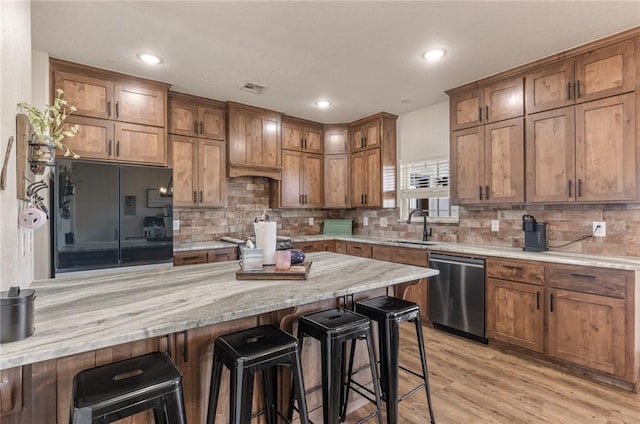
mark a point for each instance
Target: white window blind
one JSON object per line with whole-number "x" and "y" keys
{"x": 424, "y": 179}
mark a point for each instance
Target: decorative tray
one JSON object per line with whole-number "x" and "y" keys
{"x": 268, "y": 272}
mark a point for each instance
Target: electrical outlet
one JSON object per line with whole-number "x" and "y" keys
{"x": 365, "y": 221}
{"x": 176, "y": 225}
{"x": 600, "y": 232}
{"x": 311, "y": 221}
{"x": 495, "y": 225}
{"x": 383, "y": 222}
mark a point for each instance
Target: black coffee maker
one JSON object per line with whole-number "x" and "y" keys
{"x": 535, "y": 234}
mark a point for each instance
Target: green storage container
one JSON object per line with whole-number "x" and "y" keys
{"x": 338, "y": 227}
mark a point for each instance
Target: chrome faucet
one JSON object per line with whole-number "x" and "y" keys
{"x": 425, "y": 234}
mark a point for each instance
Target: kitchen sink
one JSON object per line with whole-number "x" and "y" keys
{"x": 422, "y": 243}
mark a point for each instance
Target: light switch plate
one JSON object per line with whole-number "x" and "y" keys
{"x": 495, "y": 225}
{"x": 365, "y": 221}
{"x": 176, "y": 225}
{"x": 383, "y": 222}
{"x": 600, "y": 232}
{"x": 311, "y": 221}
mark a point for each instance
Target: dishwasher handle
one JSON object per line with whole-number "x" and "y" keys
{"x": 456, "y": 260}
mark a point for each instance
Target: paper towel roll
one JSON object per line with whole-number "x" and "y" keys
{"x": 266, "y": 240}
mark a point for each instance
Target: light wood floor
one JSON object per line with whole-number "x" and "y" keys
{"x": 473, "y": 383}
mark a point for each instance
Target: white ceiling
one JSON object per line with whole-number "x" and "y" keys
{"x": 362, "y": 55}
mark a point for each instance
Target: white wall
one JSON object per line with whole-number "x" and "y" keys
{"x": 16, "y": 268}
{"x": 424, "y": 133}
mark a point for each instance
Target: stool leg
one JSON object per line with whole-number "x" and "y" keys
{"x": 298, "y": 383}
{"x": 270, "y": 391}
{"x": 423, "y": 359}
{"x": 214, "y": 390}
{"x": 241, "y": 396}
{"x": 331, "y": 369}
{"x": 293, "y": 381}
{"x": 174, "y": 409}
{"x": 392, "y": 363}
{"x": 374, "y": 373}
{"x": 345, "y": 398}
{"x": 159, "y": 415}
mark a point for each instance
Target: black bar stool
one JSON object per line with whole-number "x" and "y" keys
{"x": 333, "y": 328}
{"x": 110, "y": 392}
{"x": 245, "y": 352}
{"x": 389, "y": 313}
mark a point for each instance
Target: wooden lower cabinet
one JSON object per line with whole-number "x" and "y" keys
{"x": 11, "y": 388}
{"x": 310, "y": 246}
{"x": 515, "y": 313}
{"x": 204, "y": 256}
{"x": 587, "y": 329}
{"x": 359, "y": 249}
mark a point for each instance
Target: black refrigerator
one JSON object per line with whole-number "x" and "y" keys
{"x": 109, "y": 215}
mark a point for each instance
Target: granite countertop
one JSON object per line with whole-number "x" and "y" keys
{"x": 569, "y": 258}
{"x": 81, "y": 314}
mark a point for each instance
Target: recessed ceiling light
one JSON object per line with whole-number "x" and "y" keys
{"x": 150, "y": 58}
{"x": 323, "y": 104}
{"x": 432, "y": 55}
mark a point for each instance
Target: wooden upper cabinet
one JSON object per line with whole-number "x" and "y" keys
{"x": 357, "y": 140}
{"x": 140, "y": 103}
{"x": 550, "y": 87}
{"x": 93, "y": 97}
{"x": 185, "y": 169}
{"x": 358, "y": 175}
{"x": 254, "y": 141}
{"x": 605, "y": 72}
{"x": 302, "y": 183}
{"x": 94, "y": 140}
{"x": 504, "y": 100}
{"x": 138, "y": 143}
{"x": 504, "y": 161}
{"x": 600, "y": 73}
{"x": 313, "y": 180}
{"x": 467, "y": 166}
{"x": 212, "y": 178}
{"x": 196, "y": 117}
{"x": 366, "y": 176}
{"x": 304, "y": 136}
{"x": 606, "y": 149}
{"x": 336, "y": 139}
{"x": 466, "y": 108}
{"x": 366, "y": 134}
{"x": 336, "y": 181}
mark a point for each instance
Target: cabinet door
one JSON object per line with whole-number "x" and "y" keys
{"x": 313, "y": 140}
{"x": 550, "y": 153}
{"x": 184, "y": 171}
{"x": 373, "y": 178}
{"x": 212, "y": 179}
{"x": 92, "y": 97}
{"x": 504, "y": 160}
{"x": 222, "y": 255}
{"x": 10, "y": 392}
{"x": 504, "y": 100}
{"x": 190, "y": 258}
{"x": 371, "y": 132}
{"x": 359, "y": 249}
{"x": 262, "y": 140}
{"x": 291, "y": 183}
{"x": 550, "y": 87}
{"x": 183, "y": 118}
{"x": 336, "y": 140}
{"x": 358, "y": 169}
{"x": 211, "y": 123}
{"x": 515, "y": 313}
{"x": 357, "y": 139}
{"x": 336, "y": 181}
{"x": 312, "y": 180}
{"x": 588, "y": 330}
{"x": 291, "y": 136}
{"x": 466, "y": 108}
{"x": 140, "y": 104}
{"x": 467, "y": 166}
{"x": 606, "y": 72}
{"x": 93, "y": 141}
{"x": 138, "y": 143}
{"x": 606, "y": 149}
{"x": 310, "y": 246}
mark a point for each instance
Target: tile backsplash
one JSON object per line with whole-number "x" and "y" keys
{"x": 249, "y": 197}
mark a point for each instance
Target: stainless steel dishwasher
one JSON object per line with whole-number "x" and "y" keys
{"x": 456, "y": 296}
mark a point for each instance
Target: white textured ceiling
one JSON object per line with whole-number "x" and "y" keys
{"x": 363, "y": 56}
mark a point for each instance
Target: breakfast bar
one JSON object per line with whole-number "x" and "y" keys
{"x": 82, "y": 322}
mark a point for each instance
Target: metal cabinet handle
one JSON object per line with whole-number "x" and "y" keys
{"x": 365, "y": 199}
{"x": 583, "y": 276}
{"x": 551, "y": 302}
{"x": 365, "y": 142}
{"x": 195, "y": 127}
{"x": 346, "y": 200}
{"x": 479, "y": 113}
{"x": 512, "y": 267}
{"x": 480, "y": 192}
{"x": 362, "y": 199}
{"x": 569, "y": 187}
{"x": 486, "y": 192}
{"x": 569, "y": 90}
{"x": 118, "y": 148}
{"x": 109, "y": 148}
{"x": 579, "y": 187}
{"x": 537, "y": 300}
{"x": 201, "y": 196}
{"x": 109, "y": 108}
{"x": 486, "y": 113}
{"x": 195, "y": 197}
{"x": 201, "y": 127}
{"x": 185, "y": 347}
{"x": 577, "y": 89}
{"x": 117, "y": 110}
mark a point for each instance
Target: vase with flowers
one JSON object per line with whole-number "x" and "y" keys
{"x": 49, "y": 130}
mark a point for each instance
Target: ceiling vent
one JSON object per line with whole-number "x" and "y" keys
{"x": 252, "y": 87}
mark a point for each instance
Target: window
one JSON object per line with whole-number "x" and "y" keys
{"x": 425, "y": 185}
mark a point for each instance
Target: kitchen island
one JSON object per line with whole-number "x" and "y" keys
{"x": 85, "y": 321}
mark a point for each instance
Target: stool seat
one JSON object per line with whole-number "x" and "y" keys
{"x": 124, "y": 388}
{"x": 387, "y": 307}
{"x": 333, "y": 323}
{"x": 256, "y": 344}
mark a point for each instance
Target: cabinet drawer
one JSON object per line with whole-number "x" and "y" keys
{"x": 222, "y": 255}
{"x": 523, "y": 272}
{"x": 310, "y": 246}
{"x": 190, "y": 258}
{"x": 603, "y": 281}
{"x": 359, "y": 249}
{"x": 401, "y": 255}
